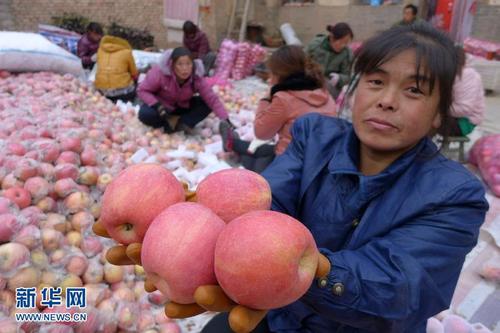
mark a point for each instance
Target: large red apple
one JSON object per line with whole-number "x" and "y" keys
{"x": 233, "y": 192}
{"x": 135, "y": 197}
{"x": 178, "y": 250}
{"x": 265, "y": 260}
{"x": 19, "y": 196}
{"x": 38, "y": 187}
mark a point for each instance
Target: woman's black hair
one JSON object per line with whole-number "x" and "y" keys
{"x": 436, "y": 60}
{"x": 95, "y": 27}
{"x": 340, "y": 30}
{"x": 179, "y": 52}
{"x": 189, "y": 27}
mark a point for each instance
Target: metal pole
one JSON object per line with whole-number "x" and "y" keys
{"x": 243, "y": 28}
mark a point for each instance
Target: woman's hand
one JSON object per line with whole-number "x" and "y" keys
{"x": 241, "y": 318}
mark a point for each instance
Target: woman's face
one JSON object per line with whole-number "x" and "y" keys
{"x": 183, "y": 67}
{"x": 390, "y": 114}
{"x": 339, "y": 44}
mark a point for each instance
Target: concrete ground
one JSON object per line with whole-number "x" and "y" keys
{"x": 491, "y": 123}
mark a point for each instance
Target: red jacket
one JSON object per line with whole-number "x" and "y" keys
{"x": 278, "y": 116}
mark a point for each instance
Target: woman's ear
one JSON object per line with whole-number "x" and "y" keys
{"x": 436, "y": 122}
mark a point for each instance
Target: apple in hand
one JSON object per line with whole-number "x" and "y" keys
{"x": 135, "y": 197}
{"x": 233, "y": 192}
{"x": 265, "y": 260}
{"x": 178, "y": 250}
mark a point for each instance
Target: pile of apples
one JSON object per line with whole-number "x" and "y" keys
{"x": 223, "y": 234}
{"x": 62, "y": 144}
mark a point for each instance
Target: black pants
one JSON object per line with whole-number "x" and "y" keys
{"x": 219, "y": 324}
{"x": 197, "y": 111}
{"x": 125, "y": 98}
{"x": 259, "y": 160}
{"x": 209, "y": 61}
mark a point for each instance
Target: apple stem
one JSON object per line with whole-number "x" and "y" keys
{"x": 128, "y": 226}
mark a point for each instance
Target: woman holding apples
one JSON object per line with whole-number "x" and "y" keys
{"x": 392, "y": 218}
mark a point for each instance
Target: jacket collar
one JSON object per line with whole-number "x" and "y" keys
{"x": 345, "y": 161}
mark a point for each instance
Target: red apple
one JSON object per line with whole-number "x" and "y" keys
{"x": 91, "y": 246}
{"x": 26, "y": 168}
{"x": 221, "y": 190}
{"x": 77, "y": 265}
{"x": 19, "y": 196}
{"x": 67, "y": 170}
{"x": 49, "y": 150}
{"x": 6, "y": 205}
{"x": 38, "y": 187}
{"x": 47, "y": 171}
{"x": 135, "y": 197}
{"x": 89, "y": 156}
{"x": 265, "y": 260}
{"x": 65, "y": 186}
{"x": 16, "y": 149}
{"x": 9, "y": 225}
{"x": 187, "y": 232}
{"x": 73, "y": 144}
{"x": 29, "y": 236}
{"x": 13, "y": 255}
{"x": 68, "y": 157}
{"x": 10, "y": 181}
{"x": 33, "y": 215}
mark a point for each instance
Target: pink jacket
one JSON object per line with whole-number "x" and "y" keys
{"x": 468, "y": 96}
{"x": 278, "y": 116}
{"x": 160, "y": 85}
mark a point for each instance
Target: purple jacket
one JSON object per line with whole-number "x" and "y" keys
{"x": 86, "y": 49}
{"x": 160, "y": 85}
{"x": 198, "y": 44}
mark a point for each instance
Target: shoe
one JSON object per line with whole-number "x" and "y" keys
{"x": 228, "y": 136}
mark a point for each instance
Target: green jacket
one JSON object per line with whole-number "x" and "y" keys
{"x": 319, "y": 49}
{"x": 415, "y": 21}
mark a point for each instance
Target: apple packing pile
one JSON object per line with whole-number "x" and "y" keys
{"x": 62, "y": 144}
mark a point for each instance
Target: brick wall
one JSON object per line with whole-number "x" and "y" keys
{"x": 364, "y": 20}
{"x": 486, "y": 23}
{"x": 27, "y": 14}
{"x": 6, "y": 21}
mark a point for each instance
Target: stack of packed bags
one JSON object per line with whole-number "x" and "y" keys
{"x": 482, "y": 48}
{"x": 237, "y": 60}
